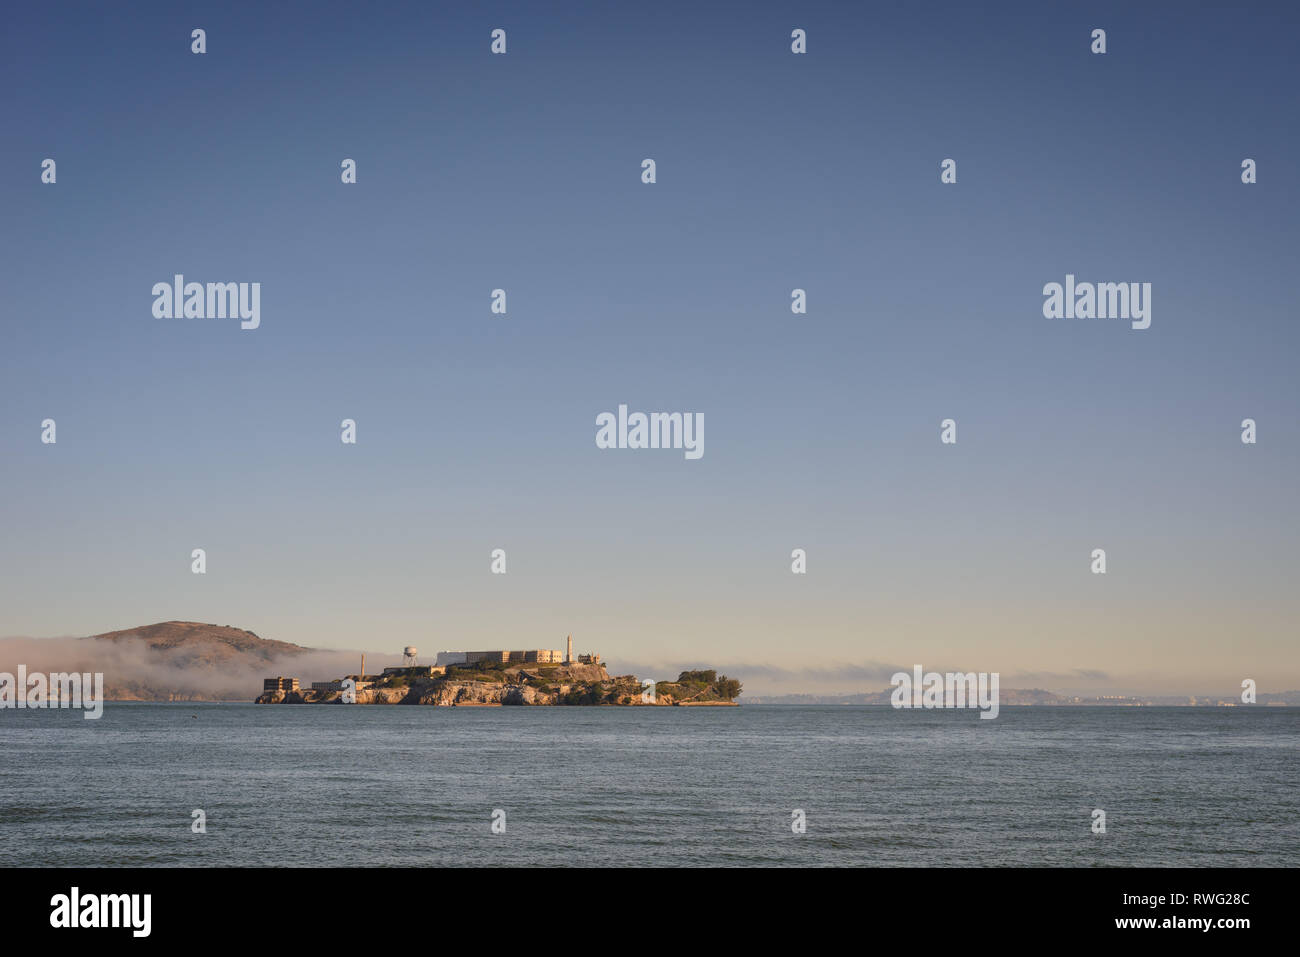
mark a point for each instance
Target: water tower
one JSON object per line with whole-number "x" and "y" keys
{"x": 408, "y": 655}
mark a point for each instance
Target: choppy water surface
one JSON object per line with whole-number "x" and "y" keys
{"x": 337, "y": 785}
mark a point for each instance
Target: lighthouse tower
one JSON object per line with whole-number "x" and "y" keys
{"x": 568, "y": 655}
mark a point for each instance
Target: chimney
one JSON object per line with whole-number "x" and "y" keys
{"x": 362, "y": 676}
{"x": 568, "y": 657}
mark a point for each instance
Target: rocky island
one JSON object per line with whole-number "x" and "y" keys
{"x": 488, "y": 682}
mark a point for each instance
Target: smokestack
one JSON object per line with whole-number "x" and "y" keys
{"x": 363, "y": 667}
{"x": 568, "y": 656}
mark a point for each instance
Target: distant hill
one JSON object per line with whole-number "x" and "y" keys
{"x": 203, "y": 644}
{"x": 182, "y": 661}
{"x": 190, "y": 661}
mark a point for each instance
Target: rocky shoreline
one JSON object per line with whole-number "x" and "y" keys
{"x": 523, "y": 685}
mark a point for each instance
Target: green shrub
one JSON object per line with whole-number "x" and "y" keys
{"x": 697, "y": 677}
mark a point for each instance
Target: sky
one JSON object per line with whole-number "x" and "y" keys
{"x": 774, "y": 171}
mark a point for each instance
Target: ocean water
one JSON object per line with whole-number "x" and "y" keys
{"x": 337, "y": 785}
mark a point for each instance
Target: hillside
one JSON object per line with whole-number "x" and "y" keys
{"x": 203, "y": 644}
{"x": 184, "y": 661}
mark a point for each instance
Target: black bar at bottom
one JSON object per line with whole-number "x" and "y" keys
{"x": 725, "y": 907}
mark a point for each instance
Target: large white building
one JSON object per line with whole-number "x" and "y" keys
{"x": 529, "y": 656}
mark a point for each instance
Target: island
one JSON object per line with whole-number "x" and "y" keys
{"x": 494, "y": 678}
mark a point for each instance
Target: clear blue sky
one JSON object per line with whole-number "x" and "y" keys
{"x": 775, "y": 171}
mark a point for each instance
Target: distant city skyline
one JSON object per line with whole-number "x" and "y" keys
{"x": 477, "y": 431}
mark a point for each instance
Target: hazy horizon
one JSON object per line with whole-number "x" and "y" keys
{"x": 761, "y": 679}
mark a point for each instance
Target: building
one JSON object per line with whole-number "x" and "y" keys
{"x": 543, "y": 656}
{"x": 588, "y": 659}
{"x": 280, "y": 684}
